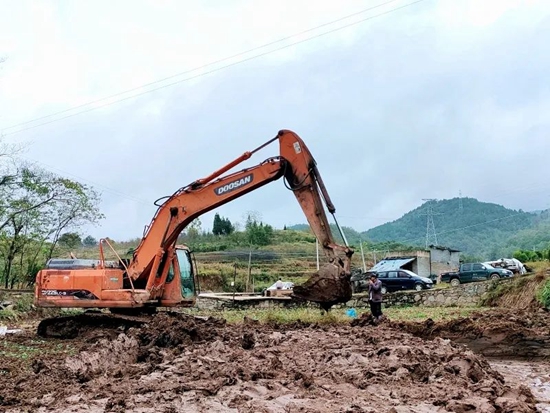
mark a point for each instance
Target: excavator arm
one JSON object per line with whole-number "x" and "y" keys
{"x": 148, "y": 278}
{"x": 148, "y": 268}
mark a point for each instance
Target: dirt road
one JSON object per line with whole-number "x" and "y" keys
{"x": 182, "y": 364}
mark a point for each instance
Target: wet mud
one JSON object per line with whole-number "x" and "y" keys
{"x": 522, "y": 334}
{"x": 536, "y": 375}
{"x": 177, "y": 363}
{"x": 327, "y": 287}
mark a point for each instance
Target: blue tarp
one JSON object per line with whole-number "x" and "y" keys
{"x": 391, "y": 264}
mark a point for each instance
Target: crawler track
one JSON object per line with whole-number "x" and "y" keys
{"x": 70, "y": 327}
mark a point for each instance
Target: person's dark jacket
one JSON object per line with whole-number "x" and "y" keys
{"x": 375, "y": 291}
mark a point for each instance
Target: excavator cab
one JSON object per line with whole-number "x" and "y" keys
{"x": 180, "y": 287}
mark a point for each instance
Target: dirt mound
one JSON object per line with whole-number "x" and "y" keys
{"x": 178, "y": 363}
{"x": 326, "y": 287}
{"x": 520, "y": 294}
{"x": 497, "y": 333}
{"x": 100, "y": 360}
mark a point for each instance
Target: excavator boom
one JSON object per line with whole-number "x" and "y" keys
{"x": 148, "y": 278}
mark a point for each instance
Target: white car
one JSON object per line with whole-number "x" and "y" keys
{"x": 287, "y": 285}
{"x": 510, "y": 264}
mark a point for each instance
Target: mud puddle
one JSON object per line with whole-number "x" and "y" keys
{"x": 534, "y": 374}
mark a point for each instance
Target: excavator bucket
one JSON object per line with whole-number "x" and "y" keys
{"x": 327, "y": 287}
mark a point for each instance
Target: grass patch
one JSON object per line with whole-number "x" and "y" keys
{"x": 435, "y": 313}
{"x": 21, "y": 305}
{"x": 521, "y": 293}
{"x": 9, "y": 315}
{"x": 32, "y": 348}
{"x": 312, "y": 315}
{"x": 543, "y": 295}
{"x": 24, "y": 303}
{"x": 537, "y": 266}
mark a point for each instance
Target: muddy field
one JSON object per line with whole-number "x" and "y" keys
{"x": 494, "y": 333}
{"x": 177, "y": 363}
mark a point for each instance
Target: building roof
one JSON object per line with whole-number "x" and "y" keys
{"x": 437, "y": 247}
{"x": 390, "y": 264}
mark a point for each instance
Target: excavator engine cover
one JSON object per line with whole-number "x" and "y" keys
{"x": 329, "y": 286}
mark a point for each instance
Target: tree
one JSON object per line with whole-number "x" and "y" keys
{"x": 258, "y": 233}
{"x": 222, "y": 226}
{"x": 227, "y": 226}
{"x": 36, "y": 206}
{"x": 89, "y": 241}
{"x": 217, "y": 228}
{"x": 194, "y": 229}
{"x": 70, "y": 240}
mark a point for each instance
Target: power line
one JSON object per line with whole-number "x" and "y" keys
{"x": 106, "y": 188}
{"x": 151, "y": 83}
{"x": 461, "y": 228}
{"x": 207, "y": 72}
{"x": 202, "y": 66}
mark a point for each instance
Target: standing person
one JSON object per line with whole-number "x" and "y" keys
{"x": 375, "y": 296}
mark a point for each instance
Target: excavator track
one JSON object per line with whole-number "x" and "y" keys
{"x": 69, "y": 327}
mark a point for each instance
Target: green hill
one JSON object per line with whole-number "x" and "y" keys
{"x": 536, "y": 237}
{"x": 352, "y": 236}
{"x": 481, "y": 229}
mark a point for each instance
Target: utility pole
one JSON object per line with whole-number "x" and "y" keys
{"x": 249, "y": 271}
{"x": 431, "y": 235}
{"x": 317, "y": 252}
{"x": 233, "y": 284}
{"x": 363, "y": 255}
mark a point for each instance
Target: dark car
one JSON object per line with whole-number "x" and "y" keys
{"x": 471, "y": 272}
{"x": 396, "y": 280}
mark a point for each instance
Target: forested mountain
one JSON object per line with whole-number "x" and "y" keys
{"x": 481, "y": 229}
{"x": 536, "y": 237}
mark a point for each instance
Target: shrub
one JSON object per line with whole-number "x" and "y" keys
{"x": 544, "y": 294}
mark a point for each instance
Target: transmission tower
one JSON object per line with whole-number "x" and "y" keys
{"x": 431, "y": 235}
{"x": 460, "y": 206}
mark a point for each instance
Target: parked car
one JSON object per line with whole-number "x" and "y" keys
{"x": 472, "y": 272}
{"x": 287, "y": 285}
{"x": 512, "y": 264}
{"x": 396, "y": 280}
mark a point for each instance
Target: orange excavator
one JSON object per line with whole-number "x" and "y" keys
{"x": 161, "y": 273}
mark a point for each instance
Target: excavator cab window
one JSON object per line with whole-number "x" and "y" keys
{"x": 170, "y": 275}
{"x": 186, "y": 273}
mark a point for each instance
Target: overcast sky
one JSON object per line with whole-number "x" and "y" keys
{"x": 422, "y": 102}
